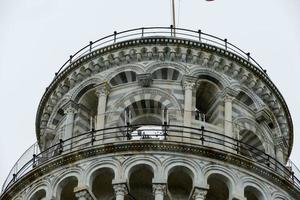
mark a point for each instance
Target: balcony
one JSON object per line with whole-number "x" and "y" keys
{"x": 156, "y": 137}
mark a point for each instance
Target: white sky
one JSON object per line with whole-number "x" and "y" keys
{"x": 37, "y": 37}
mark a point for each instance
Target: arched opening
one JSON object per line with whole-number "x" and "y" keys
{"x": 166, "y": 74}
{"x": 123, "y": 77}
{"x": 101, "y": 183}
{"x": 86, "y": 114}
{"x": 180, "y": 183}
{"x": 207, "y": 105}
{"x": 251, "y": 146}
{"x": 251, "y": 193}
{"x": 246, "y": 100}
{"x": 145, "y": 118}
{"x": 218, "y": 187}
{"x": 39, "y": 195}
{"x": 140, "y": 182}
{"x": 65, "y": 190}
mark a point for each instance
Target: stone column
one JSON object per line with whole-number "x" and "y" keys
{"x": 120, "y": 190}
{"x": 199, "y": 194}
{"x": 70, "y": 109}
{"x": 188, "y": 83}
{"x": 229, "y": 96}
{"x": 159, "y": 191}
{"x": 102, "y": 91}
{"x": 82, "y": 193}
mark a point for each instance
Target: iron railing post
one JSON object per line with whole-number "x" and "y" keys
{"x": 202, "y": 135}
{"x": 71, "y": 59}
{"x": 14, "y": 177}
{"x": 171, "y": 27}
{"x": 33, "y": 160}
{"x": 61, "y": 144}
{"x": 165, "y": 130}
{"x": 128, "y": 131}
{"x": 225, "y": 40}
{"x": 142, "y": 31}
{"x": 93, "y": 139}
{"x": 248, "y": 56}
{"x": 91, "y": 43}
{"x": 199, "y": 35}
{"x": 115, "y": 36}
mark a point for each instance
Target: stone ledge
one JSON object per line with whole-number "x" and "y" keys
{"x": 148, "y": 147}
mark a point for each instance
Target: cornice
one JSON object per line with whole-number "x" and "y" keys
{"x": 134, "y": 147}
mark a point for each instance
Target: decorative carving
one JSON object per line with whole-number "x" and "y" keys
{"x": 199, "y": 193}
{"x": 144, "y": 80}
{"x": 70, "y": 107}
{"x": 82, "y": 194}
{"x": 120, "y": 189}
{"x": 103, "y": 89}
{"x": 159, "y": 188}
{"x": 189, "y": 82}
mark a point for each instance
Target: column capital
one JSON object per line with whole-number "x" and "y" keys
{"x": 144, "y": 80}
{"x": 199, "y": 193}
{"x": 189, "y": 82}
{"x": 70, "y": 107}
{"x": 229, "y": 94}
{"x": 120, "y": 189}
{"x": 83, "y": 193}
{"x": 103, "y": 89}
{"x": 159, "y": 188}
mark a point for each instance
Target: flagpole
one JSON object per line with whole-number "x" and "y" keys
{"x": 173, "y": 15}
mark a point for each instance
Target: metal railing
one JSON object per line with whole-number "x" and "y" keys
{"x": 151, "y": 132}
{"x": 183, "y": 33}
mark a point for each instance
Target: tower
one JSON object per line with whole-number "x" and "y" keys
{"x": 145, "y": 114}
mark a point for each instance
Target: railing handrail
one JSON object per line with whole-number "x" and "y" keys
{"x": 199, "y": 134}
{"x": 143, "y": 34}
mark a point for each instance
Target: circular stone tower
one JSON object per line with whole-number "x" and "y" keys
{"x": 154, "y": 113}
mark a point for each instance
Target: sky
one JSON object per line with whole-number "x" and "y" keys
{"x": 37, "y": 37}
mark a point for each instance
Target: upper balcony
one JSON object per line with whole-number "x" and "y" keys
{"x": 139, "y": 138}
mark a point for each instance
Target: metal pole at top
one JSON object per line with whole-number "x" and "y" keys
{"x": 173, "y": 15}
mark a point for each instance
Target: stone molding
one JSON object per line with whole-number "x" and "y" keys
{"x": 146, "y": 147}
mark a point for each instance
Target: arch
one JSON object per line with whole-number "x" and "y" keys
{"x": 166, "y": 99}
{"x": 258, "y": 103}
{"x": 195, "y": 169}
{"x": 151, "y": 162}
{"x": 136, "y": 68}
{"x": 222, "y": 79}
{"x": 112, "y": 164}
{"x": 77, "y": 92}
{"x": 280, "y": 196}
{"x": 73, "y": 174}
{"x": 38, "y": 195}
{"x": 35, "y": 192}
{"x": 219, "y": 187}
{"x": 65, "y": 188}
{"x": 227, "y": 175}
{"x": 180, "y": 182}
{"x": 152, "y": 67}
{"x": 167, "y": 74}
{"x": 101, "y": 183}
{"x": 257, "y": 187}
{"x": 140, "y": 181}
{"x": 207, "y": 93}
{"x": 123, "y": 78}
{"x": 248, "y": 140}
{"x": 251, "y": 125}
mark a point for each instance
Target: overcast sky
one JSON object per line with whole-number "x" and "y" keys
{"x": 37, "y": 37}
